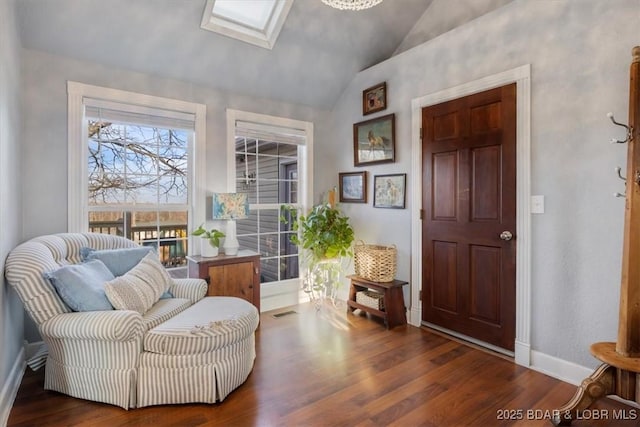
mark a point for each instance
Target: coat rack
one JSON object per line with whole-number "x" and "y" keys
{"x": 619, "y": 374}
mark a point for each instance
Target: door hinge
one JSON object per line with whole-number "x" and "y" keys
{"x": 420, "y": 295}
{"x": 420, "y": 133}
{"x": 421, "y": 214}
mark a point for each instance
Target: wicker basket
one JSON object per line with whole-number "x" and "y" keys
{"x": 370, "y": 299}
{"x": 375, "y": 262}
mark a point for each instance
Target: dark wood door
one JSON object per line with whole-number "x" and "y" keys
{"x": 469, "y": 200}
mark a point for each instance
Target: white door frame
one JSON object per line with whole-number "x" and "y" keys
{"x": 522, "y": 77}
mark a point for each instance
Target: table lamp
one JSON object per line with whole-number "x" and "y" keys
{"x": 229, "y": 207}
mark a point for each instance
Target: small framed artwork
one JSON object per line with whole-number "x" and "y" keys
{"x": 353, "y": 187}
{"x": 374, "y": 98}
{"x": 374, "y": 141}
{"x": 389, "y": 191}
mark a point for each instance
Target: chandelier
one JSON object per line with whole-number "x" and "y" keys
{"x": 351, "y": 4}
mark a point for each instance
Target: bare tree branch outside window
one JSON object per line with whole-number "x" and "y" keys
{"x": 136, "y": 164}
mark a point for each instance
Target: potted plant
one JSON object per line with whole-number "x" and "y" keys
{"x": 210, "y": 240}
{"x": 324, "y": 236}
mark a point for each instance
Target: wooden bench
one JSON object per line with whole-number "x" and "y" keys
{"x": 394, "y": 312}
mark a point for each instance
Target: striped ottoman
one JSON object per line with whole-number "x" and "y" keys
{"x": 199, "y": 355}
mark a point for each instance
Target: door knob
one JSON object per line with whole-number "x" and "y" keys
{"x": 506, "y": 235}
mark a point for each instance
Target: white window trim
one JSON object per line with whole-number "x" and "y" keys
{"x": 77, "y": 148}
{"x": 285, "y": 292}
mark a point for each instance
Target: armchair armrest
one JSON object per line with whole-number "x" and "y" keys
{"x": 192, "y": 289}
{"x": 114, "y": 325}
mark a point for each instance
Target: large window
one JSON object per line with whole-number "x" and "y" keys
{"x": 138, "y": 183}
{"x": 271, "y": 165}
{"x": 138, "y": 168}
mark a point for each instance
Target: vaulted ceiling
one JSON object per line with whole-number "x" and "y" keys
{"x": 318, "y": 52}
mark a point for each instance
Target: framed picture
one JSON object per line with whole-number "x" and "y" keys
{"x": 389, "y": 191}
{"x": 353, "y": 187}
{"x": 374, "y": 98}
{"x": 374, "y": 141}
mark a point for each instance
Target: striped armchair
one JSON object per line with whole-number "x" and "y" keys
{"x": 98, "y": 355}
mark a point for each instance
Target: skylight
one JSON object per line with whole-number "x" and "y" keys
{"x": 253, "y": 21}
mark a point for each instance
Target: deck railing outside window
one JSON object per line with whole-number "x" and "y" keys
{"x": 171, "y": 241}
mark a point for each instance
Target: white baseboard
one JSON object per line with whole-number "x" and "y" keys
{"x": 415, "y": 317}
{"x": 569, "y": 372}
{"x": 10, "y": 387}
{"x": 563, "y": 370}
{"x": 522, "y": 353}
{"x": 279, "y": 295}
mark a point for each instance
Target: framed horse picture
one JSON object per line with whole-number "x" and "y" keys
{"x": 374, "y": 141}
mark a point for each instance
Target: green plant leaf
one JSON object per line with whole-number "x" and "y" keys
{"x": 199, "y": 231}
{"x": 213, "y": 235}
{"x": 324, "y": 231}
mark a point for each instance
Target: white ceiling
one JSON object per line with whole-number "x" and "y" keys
{"x": 318, "y": 52}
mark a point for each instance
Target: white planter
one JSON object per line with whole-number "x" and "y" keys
{"x": 206, "y": 250}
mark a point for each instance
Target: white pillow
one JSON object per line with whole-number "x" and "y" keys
{"x": 140, "y": 287}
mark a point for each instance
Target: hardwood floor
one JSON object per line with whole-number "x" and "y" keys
{"x": 328, "y": 368}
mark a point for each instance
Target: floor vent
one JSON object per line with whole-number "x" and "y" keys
{"x": 284, "y": 313}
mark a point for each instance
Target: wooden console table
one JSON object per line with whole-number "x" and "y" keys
{"x": 229, "y": 275}
{"x": 394, "y": 313}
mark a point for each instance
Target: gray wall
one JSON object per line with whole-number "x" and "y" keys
{"x": 444, "y": 15}
{"x": 579, "y": 51}
{"x": 11, "y": 312}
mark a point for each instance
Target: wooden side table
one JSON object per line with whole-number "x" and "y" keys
{"x": 394, "y": 313}
{"x": 229, "y": 275}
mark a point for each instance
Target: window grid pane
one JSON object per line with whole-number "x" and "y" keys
{"x": 267, "y": 172}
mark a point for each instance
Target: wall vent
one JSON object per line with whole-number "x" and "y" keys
{"x": 284, "y": 313}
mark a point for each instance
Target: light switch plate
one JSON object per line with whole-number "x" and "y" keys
{"x": 537, "y": 204}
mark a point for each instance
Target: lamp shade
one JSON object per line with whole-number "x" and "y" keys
{"x": 230, "y": 206}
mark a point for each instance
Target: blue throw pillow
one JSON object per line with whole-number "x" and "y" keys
{"x": 166, "y": 295}
{"x": 81, "y": 286}
{"x": 118, "y": 261}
